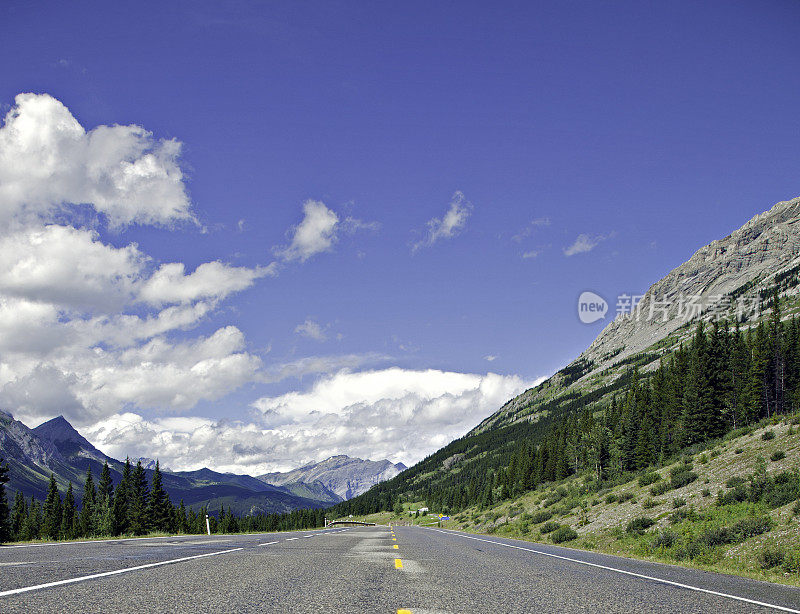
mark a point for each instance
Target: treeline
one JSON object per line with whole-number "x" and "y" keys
{"x": 722, "y": 379}
{"x": 131, "y": 507}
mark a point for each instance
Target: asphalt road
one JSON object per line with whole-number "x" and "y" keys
{"x": 360, "y": 570}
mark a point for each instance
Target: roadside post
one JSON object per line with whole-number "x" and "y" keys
{"x": 208, "y": 525}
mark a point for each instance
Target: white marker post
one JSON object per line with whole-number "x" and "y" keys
{"x": 208, "y": 525}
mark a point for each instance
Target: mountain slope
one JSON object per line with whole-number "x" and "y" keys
{"x": 726, "y": 276}
{"x": 346, "y": 477}
{"x": 548, "y": 429}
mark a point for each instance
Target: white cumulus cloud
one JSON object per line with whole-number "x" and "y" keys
{"x": 48, "y": 160}
{"x": 450, "y": 225}
{"x": 316, "y": 233}
{"x": 312, "y": 330}
{"x": 393, "y": 413}
{"x": 88, "y": 328}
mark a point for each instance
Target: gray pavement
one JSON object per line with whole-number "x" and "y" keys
{"x": 359, "y": 570}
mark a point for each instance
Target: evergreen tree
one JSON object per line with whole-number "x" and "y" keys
{"x": 120, "y": 522}
{"x": 159, "y": 506}
{"x": 105, "y": 488}
{"x": 138, "y": 496}
{"x": 18, "y": 515}
{"x": 51, "y": 521}
{"x": 32, "y": 527}
{"x": 182, "y": 522}
{"x": 88, "y": 511}
{"x": 69, "y": 523}
{"x": 5, "y": 520}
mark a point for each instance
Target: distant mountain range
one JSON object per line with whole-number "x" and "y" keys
{"x": 56, "y": 447}
{"x": 346, "y": 477}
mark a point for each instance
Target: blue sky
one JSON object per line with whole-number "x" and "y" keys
{"x": 641, "y": 130}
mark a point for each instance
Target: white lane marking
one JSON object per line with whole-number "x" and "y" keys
{"x": 291, "y": 539}
{"x": 89, "y": 541}
{"x": 268, "y": 544}
{"x": 104, "y": 574}
{"x": 307, "y": 536}
{"x": 627, "y": 573}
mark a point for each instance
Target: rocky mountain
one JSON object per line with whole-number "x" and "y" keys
{"x": 725, "y": 278}
{"x": 730, "y": 277}
{"x": 56, "y": 447}
{"x": 149, "y": 463}
{"x": 345, "y": 476}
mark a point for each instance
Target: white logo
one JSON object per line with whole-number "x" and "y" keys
{"x": 591, "y": 307}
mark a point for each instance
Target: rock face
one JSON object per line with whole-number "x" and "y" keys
{"x": 730, "y": 269}
{"x": 69, "y": 442}
{"x": 725, "y": 278}
{"x": 345, "y": 476}
{"x": 20, "y": 443}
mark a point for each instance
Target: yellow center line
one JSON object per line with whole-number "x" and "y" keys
{"x": 398, "y": 564}
{"x": 404, "y": 612}
{"x": 396, "y": 547}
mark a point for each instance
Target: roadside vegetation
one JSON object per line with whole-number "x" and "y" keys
{"x": 692, "y": 461}
{"x": 133, "y": 507}
{"x": 740, "y": 515}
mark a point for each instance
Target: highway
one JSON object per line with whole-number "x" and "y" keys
{"x": 364, "y": 569}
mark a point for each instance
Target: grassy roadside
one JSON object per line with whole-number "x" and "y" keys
{"x": 732, "y": 507}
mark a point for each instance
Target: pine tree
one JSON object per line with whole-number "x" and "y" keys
{"x": 5, "y": 520}
{"x": 120, "y": 507}
{"x": 18, "y": 515}
{"x": 159, "y": 506}
{"x": 182, "y": 521}
{"x": 88, "y": 511}
{"x": 757, "y": 390}
{"x": 105, "y": 488}
{"x": 32, "y": 527}
{"x": 51, "y": 522}
{"x": 68, "y": 519}
{"x": 777, "y": 359}
{"x": 698, "y": 399}
{"x": 138, "y": 496}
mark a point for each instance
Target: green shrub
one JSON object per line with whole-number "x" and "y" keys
{"x": 541, "y": 516}
{"x": 771, "y": 556}
{"x": 735, "y": 481}
{"x": 660, "y": 488}
{"x": 738, "y": 451}
{"x": 703, "y": 459}
{"x": 705, "y": 492}
{"x": 750, "y": 527}
{"x": 681, "y": 477}
{"x": 563, "y": 534}
{"x": 640, "y": 525}
{"x": 626, "y": 496}
{"x": 649, "y": 478}
{"x": 791, "y": 561}
{"x": 777, "y": 455}
{"x": 650, "y": 503}
{"x": 715, "y": 453}
{"x": 549, "y": 526}
{"x": 738, "y": 494}
{"x": 767, "y": 435}
{"x": 611, "y": 498}
{"x": 683, "y": 513}
{"x": 678, "y": 502}
{"x": 665, "y": 539}
{"x": 781, "y": 489}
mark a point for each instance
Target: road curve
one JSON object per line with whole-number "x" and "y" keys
{"x": 369, "y": 569}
